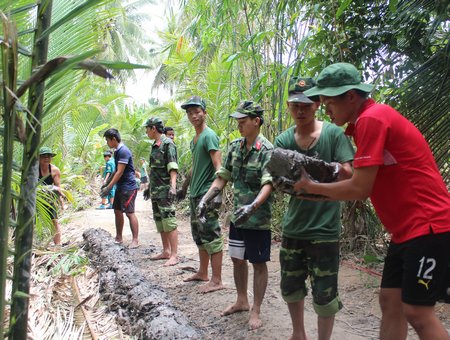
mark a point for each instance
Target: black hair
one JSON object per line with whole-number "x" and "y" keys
{"x": 107, "y": 154}
{"x": 159, "y": 128}
{"x": 261, "y": 119}
{"x": 112, "y": 133}
{"x": 168, "y": 128}
{"x": 362, "y": 94}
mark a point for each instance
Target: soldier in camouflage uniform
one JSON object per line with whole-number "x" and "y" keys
{"x": 249, "y": 237}
{"x": 311, "y": 230}
{"x": 206, "y": 160}
{"x": 163, "y": 177}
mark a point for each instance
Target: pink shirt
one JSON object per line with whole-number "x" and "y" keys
{"x": 409, "y": 194}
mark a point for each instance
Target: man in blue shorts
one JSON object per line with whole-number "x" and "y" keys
{"x": 250, "y": 236}
{"x": 126, "y": 188}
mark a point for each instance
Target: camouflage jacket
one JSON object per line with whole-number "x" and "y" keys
{"x": 163, "y": 159}
{"x": 247, "y": 170}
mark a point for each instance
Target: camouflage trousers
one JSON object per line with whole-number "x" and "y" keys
{"x": 206, "y": 235}
{"x": 164, "y": 215}
{"x": 320, "y": 261}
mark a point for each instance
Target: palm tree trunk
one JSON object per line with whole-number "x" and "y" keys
{"x": 27, "y": 204}
{"x": 9, "y": 69}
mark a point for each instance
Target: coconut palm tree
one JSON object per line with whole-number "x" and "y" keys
{"x": 43, "y": 31}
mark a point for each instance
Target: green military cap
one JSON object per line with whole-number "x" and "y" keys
{"x": 45, "y": 150}
{"x": 248, "y": 108}
{"x": 298, "y": 85}
{"x": 194, "y": 101}
{"x": 337, "y": 79}
{"x": 154, "y": 121}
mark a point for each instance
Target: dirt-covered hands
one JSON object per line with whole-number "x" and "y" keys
{"x": 204, "y": 202}
{"x": 172, "y": 195}
{"x": 104, "y": 191}
{"x": 146, "y": 194}
{"x": 243, "y": 213}
{"x": 301, "y": 186}
{"x": 181, "y": 193}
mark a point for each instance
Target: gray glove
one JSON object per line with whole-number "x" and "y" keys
{"x": 104, "y": 191}
{"x": 283, "y": 184}
{"x": 181, "y": 194}
{"x": 146, "y": 194}
{"x": 243, "y": 213}
{"x": 205, "y": 203}
{"x": 201, "y": 210}
{"x": 172, "y": 195}
{"x": 216, "y": 203}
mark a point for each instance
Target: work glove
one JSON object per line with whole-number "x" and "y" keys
{"x": 181, "y": 194}
{"x": 243, "y": 213}
{"x": 172, "y": 195}
{"x": 201, "y": 210}
{"x": 146, "y": 194}
{"x": 205, "y": 203}
{"x": 282, "y": 183}
{"x": 104, "y": 191}
{"x": 216, "y": 203}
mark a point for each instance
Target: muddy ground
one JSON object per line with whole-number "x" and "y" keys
{"x": 359, "y": 319}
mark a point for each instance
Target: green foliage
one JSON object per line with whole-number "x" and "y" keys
{"x": 226, "y": 51}
{"x": 280, "y": 202}
{"x": 372, "y": 259}
{"x": 68, "y": 261}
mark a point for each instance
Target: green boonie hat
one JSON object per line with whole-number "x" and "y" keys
{"x": 337, "y": 79}
{"x": 154, "y": 121}
{"x": 45, "y": 150}
{"x": 194, "y": 101}
{"x": 248, "y": 108}
{"x": 297, "y": 85}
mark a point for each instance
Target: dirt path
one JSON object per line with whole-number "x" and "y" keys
{"x": 359, "y": 319}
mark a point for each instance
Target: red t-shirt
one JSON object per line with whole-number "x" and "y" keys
{"x": 409, "y": 194}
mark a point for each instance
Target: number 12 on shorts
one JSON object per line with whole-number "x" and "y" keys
{"x": 426, "y": 267}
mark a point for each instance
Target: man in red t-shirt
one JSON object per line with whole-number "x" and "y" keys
{"x": 395, "y": 167}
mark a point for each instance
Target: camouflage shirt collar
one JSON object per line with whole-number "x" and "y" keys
{"x": 256, "y": 144}
{"x": 160, "y": 141}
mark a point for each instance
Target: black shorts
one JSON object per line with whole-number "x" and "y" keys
{"x": 249, "y": 244}
{"x": 124, "y": 200}
{"x": 420, "y": 267}
{"x": 52, "y": 210}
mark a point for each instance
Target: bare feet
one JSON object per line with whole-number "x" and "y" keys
{"x": 133, "y": 245}
{"x": 237, "y": 307}
{"x": 254, "y": 322}
{"x": 118, "y": 240}
{"x": 197, "y": 277}
{"x": 171, "y": 262}
{"x": 162, "y": 256}
{"x": 211, "y": 286}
